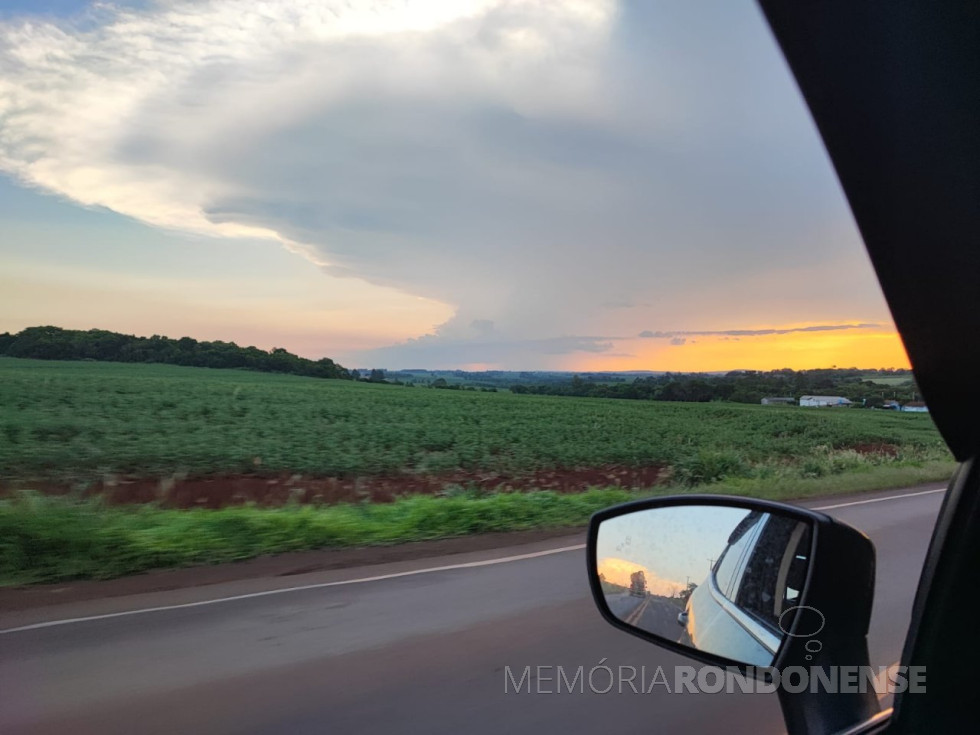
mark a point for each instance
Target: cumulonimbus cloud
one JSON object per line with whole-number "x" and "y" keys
{"x": 550, "y": 168}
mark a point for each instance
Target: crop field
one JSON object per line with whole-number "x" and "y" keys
{"x": 151, "y": 465}
{"x": 79, "y": 422}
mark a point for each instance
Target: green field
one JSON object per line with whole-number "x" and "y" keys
{"x": 888, "y": 380}
{"x": 71, "y": 425}
{"x": 78, "y": 421}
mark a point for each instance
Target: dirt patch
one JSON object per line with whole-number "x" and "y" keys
{"x": 272, "y": 491}
{"x": 887, "y": 450}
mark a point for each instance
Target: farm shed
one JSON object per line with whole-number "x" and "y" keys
{"x": 822, "y": 401}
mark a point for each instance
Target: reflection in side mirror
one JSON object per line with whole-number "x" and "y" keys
{"x": 724, "y": 580}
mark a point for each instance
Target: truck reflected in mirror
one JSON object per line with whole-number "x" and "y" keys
{"x": 720, "y": 579}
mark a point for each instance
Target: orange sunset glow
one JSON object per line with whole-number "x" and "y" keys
{"x": 618, "y": 571}
{"x": 798, "y": 351}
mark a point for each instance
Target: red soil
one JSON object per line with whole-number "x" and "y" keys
{"x": 224, "y": 490}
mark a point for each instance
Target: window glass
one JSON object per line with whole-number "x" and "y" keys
{"x": 732, "y": 559}
{"x": 774, "y": 571}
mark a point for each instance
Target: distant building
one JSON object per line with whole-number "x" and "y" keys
{"x": 822, "y": 401}
{"x": 778, "y": 400}
{"x": 915, "y": 407}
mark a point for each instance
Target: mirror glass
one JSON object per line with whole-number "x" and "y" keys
{"x": 719, "y": 579}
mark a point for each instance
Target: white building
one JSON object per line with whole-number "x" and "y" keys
{"x": 821, "y": 401}
{"x": 915, "y": 407}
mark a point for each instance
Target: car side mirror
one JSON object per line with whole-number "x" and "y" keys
{"x": 743, "y": 583}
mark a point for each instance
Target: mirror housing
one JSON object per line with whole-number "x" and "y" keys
{"x": 829, "y": 628}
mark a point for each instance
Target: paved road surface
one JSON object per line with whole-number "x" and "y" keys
{"x": 415, "y": 653}
{"x": 660, "y": 617}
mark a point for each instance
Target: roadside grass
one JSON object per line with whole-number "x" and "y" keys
{"x": 789, "y": 488}
{"x": 45, "y": 539}
{"x": 49, "y": 539}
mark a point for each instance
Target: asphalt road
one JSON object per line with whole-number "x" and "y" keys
{"x": 660, "y": 616}
{"x": 654, "y": 614}
{"x": 407, "y": 653}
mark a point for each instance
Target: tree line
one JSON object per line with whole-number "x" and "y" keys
{"x": 740, "y": 386}
{"x": 54, "y": 343}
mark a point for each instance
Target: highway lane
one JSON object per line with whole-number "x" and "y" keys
{"x": 660, "y": 617}
{"x": 426, "y": 653}
{"x": 623, "y": 605}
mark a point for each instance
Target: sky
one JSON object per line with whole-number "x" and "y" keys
{"x": 481, "y": 184}
{"x": 671, "y": 546}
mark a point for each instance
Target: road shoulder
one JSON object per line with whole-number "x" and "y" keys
{"x": 30, "y": 605}
{"x": 167, "y": 587}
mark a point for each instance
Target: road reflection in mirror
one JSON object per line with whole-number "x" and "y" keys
{"x": 720, "y": 579}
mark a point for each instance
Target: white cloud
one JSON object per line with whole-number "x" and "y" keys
{"x": 540, "y": 166}
{"x": 136, "y": 111}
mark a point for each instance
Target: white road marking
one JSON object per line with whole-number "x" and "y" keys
{"x": 378, "y": 578}
{"x": 880, "y": 500}
{"x": 637, "y": 613}
{"x": 283, "y": 590}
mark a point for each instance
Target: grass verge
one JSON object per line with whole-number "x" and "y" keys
{"x": 47, "y": 539}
